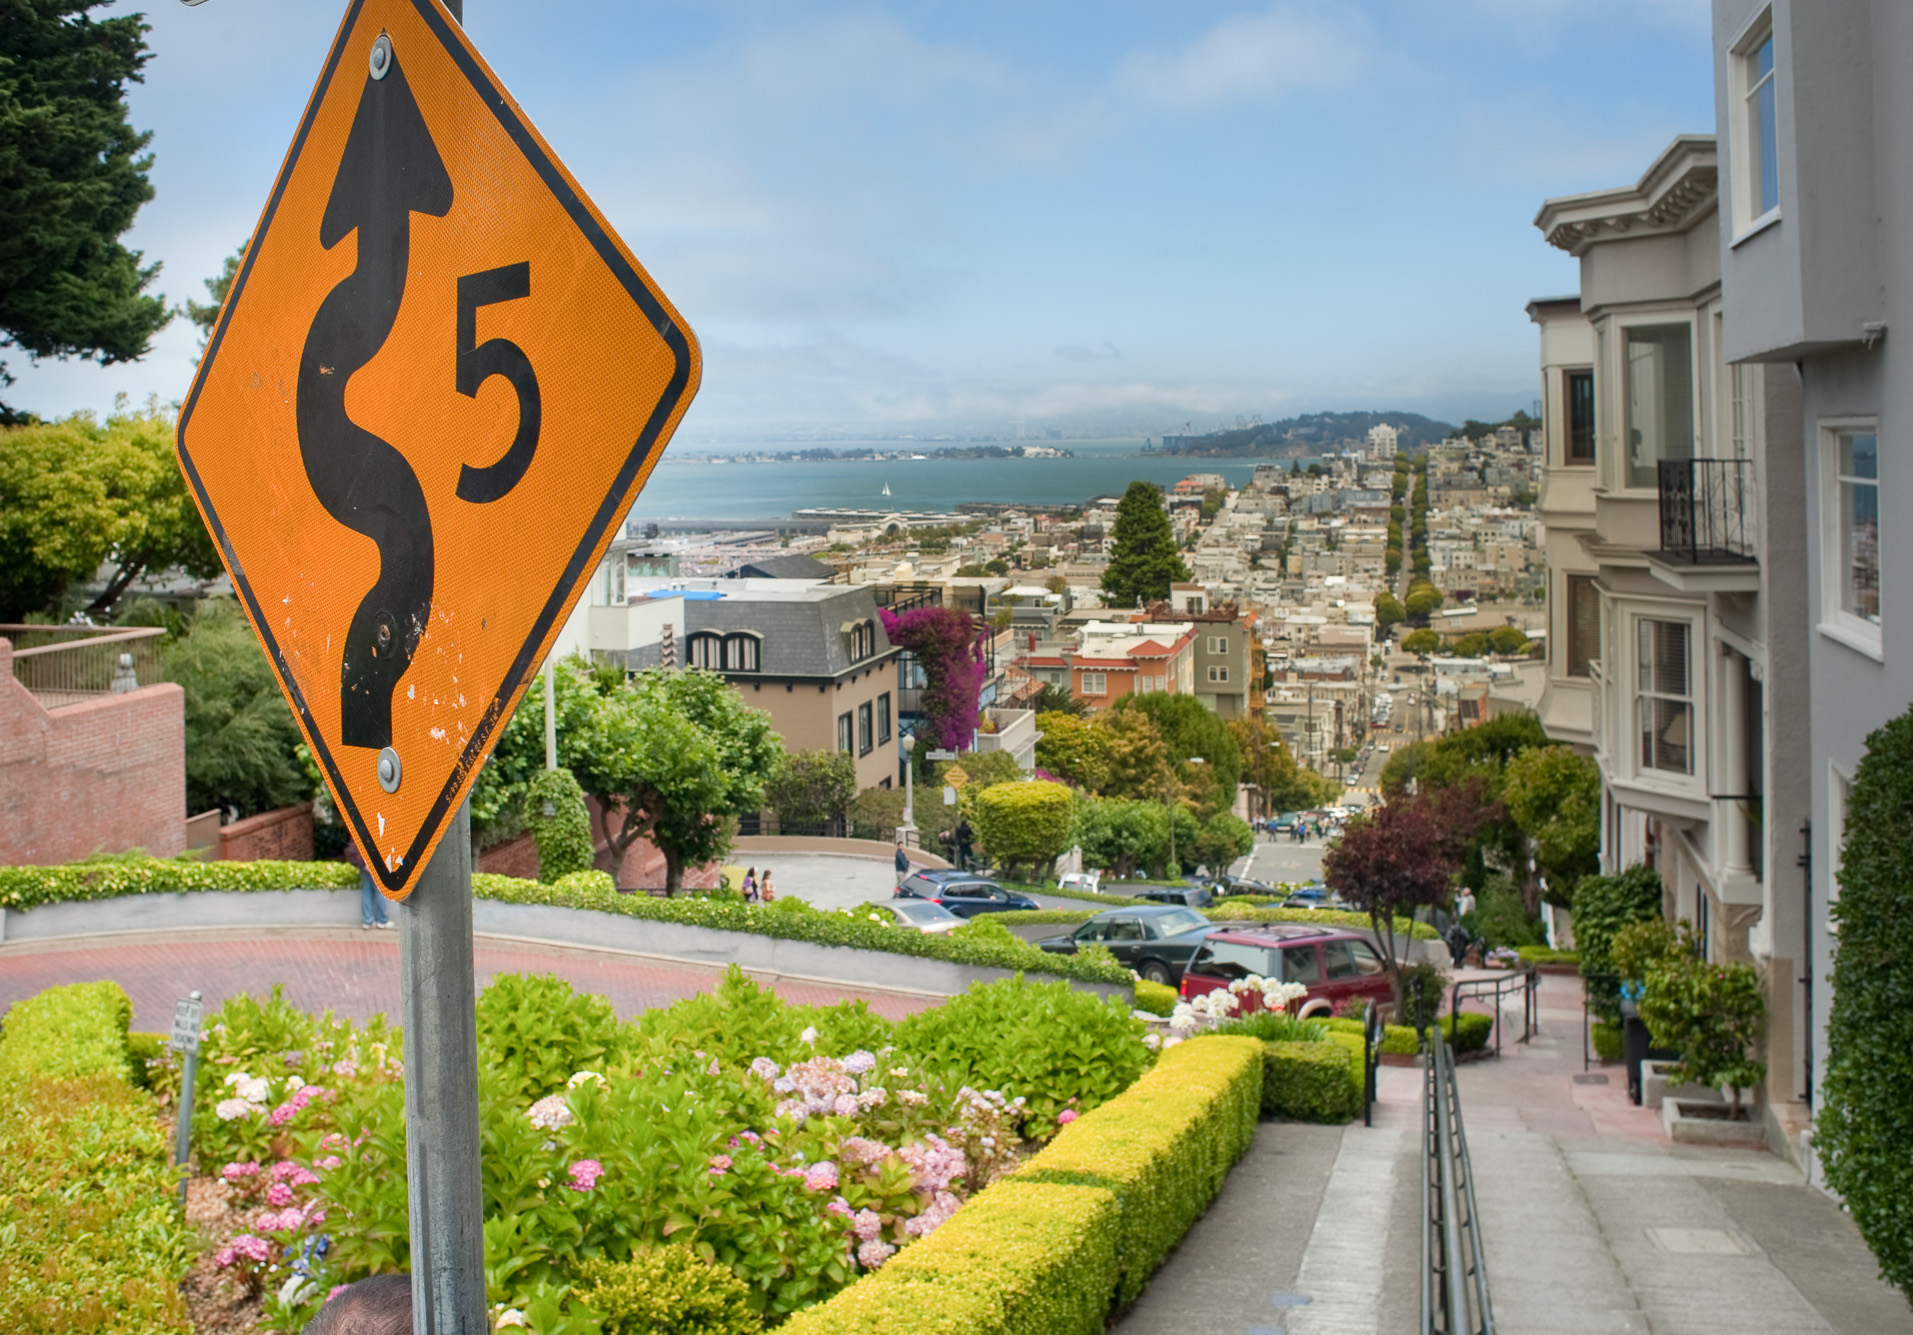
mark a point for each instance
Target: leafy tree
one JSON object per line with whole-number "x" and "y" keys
{"x": 971, "y": 571}
{"x": 811, "y": 788}
{"x": 1603, "y": 907}
{"x": 1223, "y": 839}
{"x": 672, "y": 756}
{"x": 1713, "y": 1015}
{"x": 1025, "y": 824}
{"x": 1390, "y": 862}
{"x": 1268, "y": 763}
{"x": 241, "y": 742}
{"x": 1423, "y": 641}
{"x": 77, "y": 494}
{"x": 1422, "y": 601}
{"x": 1553, "y": 796}
{"x": 1053, "y": 699}
{"x": 1190, "y": 728}
{"x": 1388, "y": 608}
{"x": 72, "y": 177}
{"x": 216, "y": 287}
{"x": 1138, "y": 756}
{"x": 1213, "y": 500}
{"x": 997, "y": 566}
{"x": 1073, "y": 749}
{"x": 518, "y": 756}
{"x": 1472, "y": 645}
{"x": 1508, "y": 641}
{"x": 1143, "y": 561}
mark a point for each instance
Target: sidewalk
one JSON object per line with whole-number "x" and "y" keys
{"x": 1592, "y": 1220}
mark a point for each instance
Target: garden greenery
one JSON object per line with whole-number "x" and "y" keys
{"x": 1603, "y": 905}
{"x": 564, "y": 836}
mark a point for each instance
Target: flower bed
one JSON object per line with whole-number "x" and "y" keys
{"x": 789, "y": 1148}
{"x": 92, "y": 1238}
{"x": 1078, "y": 1230}
{"x": 24, "y": 888}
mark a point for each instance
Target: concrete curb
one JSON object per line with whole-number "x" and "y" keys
{"x": 277, "y": 911}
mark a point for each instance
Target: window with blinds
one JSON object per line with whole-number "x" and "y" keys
{"x": 1664, "y": 696}
{"x": 1578, "y": 389}
{"x": 706, "y": 651}
{"x": 1583, "y": 624}
{"x": 1658, "y": 371}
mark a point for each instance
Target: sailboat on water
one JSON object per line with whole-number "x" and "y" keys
{"x": 886, "y": 488}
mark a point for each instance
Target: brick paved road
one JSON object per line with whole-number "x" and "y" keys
{"x": 356, "y": 974}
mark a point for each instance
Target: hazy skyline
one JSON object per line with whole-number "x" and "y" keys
{"x": 927, "y": 216}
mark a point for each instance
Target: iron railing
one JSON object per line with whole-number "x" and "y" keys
{"x": 64, "y": 665}
{"x": 1454, "y": 1272}
{"x": 1494, "y": 991}
{"x": 1707, "y": 510}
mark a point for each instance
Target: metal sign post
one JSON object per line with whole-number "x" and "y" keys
{"x": 185, "y": 1041}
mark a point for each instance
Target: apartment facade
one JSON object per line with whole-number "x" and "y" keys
{"x": 1664, "y": 510}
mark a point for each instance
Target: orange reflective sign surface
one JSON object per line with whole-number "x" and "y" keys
{"x": 437, "y": 385}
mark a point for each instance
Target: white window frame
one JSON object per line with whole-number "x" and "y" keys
{"x": 1218, "y": 676}
{"x": 1095, "y": 683}
{"x": 1836, "y": 624}
{"x": 1638, "y": 696}
{"x": 1743, "y": 86}
{"x": 1621, "y": 453}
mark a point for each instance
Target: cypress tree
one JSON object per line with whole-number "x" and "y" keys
{"x": 1143, "y": 560}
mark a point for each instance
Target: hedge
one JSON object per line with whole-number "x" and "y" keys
{"x": 1398, "y": 1040}
{"x": 1019, "y": 1258}
{"x": 1078, "y": 1230}
{"x": 1312, "y": 1082}
{"x": 1866, "y": 1119}
{"x": 93, "y": 1240}
{"x": 1156, "y": 998}
{"x": 1470, "y": 1034}
{"x": 28, "y": 887}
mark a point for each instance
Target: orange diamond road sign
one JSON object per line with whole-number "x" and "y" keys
{"x": 437, "y": 385}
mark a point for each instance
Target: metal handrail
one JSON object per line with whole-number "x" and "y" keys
{"x": 81, "y": 662}
{"x": 1529, "y": 980}
{"x": 1454, "y": 1285}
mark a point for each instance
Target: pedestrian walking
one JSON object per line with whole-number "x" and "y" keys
{"x": 764, "y": 890}
{"x": 371, "y": 902}
{"x": 903, "y": 862}
{"x": 750, "y": 886}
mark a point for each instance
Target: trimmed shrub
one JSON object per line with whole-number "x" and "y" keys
{"x": 1024, "y": 824}
{"x": 1398, "y": 1040}
{"x": 669, "y": 1291}
{"x": 1022, "y": 1258}
{"x": 1607, "y": 1040}
{"x": 1469, "y": 1033}
{"x": 1156, "y": 998}
{"x": 563, "y": 837}
{"x": 92, "y": 1238}
{"x": 67, "y": 1032}
{"x": 1163, "y": 1149}
{"x": 24, "y": 888}
{"x": 1312, "y": 1082}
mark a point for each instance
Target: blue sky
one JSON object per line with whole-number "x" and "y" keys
{"x": 941, "y": 216}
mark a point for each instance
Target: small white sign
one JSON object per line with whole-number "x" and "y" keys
{"x": 186, "y": 1014}
{"x": 949, "y": 796}
{"x": 942, "y": 755}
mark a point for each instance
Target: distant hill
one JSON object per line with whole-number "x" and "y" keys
{"x": 1310, "y": 434}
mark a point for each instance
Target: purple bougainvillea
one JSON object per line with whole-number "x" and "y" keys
{"x": 947, "y": 642}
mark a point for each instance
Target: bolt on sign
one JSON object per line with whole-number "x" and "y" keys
{"x": 436, "y": 387}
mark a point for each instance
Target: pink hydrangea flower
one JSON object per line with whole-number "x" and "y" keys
{"x": 821, "y": 1176}
{"x": 860, "y": 1151}
{"x": 345, "y": 1068}
{"x": 764, "y": 1068}
{"x": 279, "y": 1194}
{"x": 240, "y": 1171}
{"x": 859, "y": 1062}
{"x": 874, "y": 1253}
{"x": 247, "y": 1247}
{"x": 845, "y": 1105}
{"x": 1065, "y": 1117}
{"x": 720, "y": 1164}
{"x": 328, "y": 1163}
{"x": 867, "y": 1224}
{"x": 585, "y": 1174}
{"x": 839, "y": 1207}
{"x": 223, "y": 1257}
{"x": 941, "y": 1207}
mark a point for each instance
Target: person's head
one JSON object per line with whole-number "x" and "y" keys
{"x": 750, "y": 871}
{"x": 381, "y": 1305}
{"x": 767, "y": 873}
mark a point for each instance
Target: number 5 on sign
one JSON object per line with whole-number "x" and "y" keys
{"x": 438, "y": 384}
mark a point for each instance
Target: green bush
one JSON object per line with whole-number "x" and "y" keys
{"x": 1547, "y": 955}
{"x": 91, "y": 1240}
{"x": 1468, "y": 1034}
{"x": 143, "y": 1053}
{"x": 1713, "y": 1015}
{"x": 564, "y": 837}
{"x": 1422, "y": 989}
{"x": 1022, "y": 1258}
{"x": 1603, "y": 905}
{"x": 1163, "y": 1149}
{"x": 1025, "y": 823}
{"x": 1502, "y": 918}
{"x": 1398, "y": 1040}
{"x": 1156, "y": 998}
{"x": 1607, "y": 1040}
{"x": 534, "y": 1032}
{"x": 1056, "y": 1047}
{"x": 668, "y": 1291}
{"x": 23, "y": 888}
{"x": 67, "y": 1032}
{"x": 1312, "y": 1082}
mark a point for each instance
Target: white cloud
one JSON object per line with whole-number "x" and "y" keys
{"x": 1259, "y": 57}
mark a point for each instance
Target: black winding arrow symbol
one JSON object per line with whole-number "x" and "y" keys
{"x": 390, "y": 170}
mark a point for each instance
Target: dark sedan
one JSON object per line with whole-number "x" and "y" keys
{"x": 1195, "y": 896}
{"x": 963, "y": 893}
{"x": 1154, "y": 940}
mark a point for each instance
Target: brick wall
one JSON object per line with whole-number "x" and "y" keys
{"x": 515, "y": 857}
{"x": 105, "y": 775}
{"x": 284, "y": 835}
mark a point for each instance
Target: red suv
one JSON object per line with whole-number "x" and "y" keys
{"x": 1335, "y": 966}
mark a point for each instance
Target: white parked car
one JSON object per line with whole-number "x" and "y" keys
{"x": 1090, "y": 882}
{"x": 925, "y": 915}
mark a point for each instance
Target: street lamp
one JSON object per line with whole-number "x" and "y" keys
{"x": 908, "y": 830}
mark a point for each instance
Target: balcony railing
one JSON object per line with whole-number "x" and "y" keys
{"x": 1707, "y": 511}
{"x": 63, "y": 665}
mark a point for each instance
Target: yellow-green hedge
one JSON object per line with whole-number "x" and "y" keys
{"x": 1022, "y": 1258}
{"x": 92, "y": 1239}
{"x": 1313, "y": 1082}
{"x": 1078, "y": 1230}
